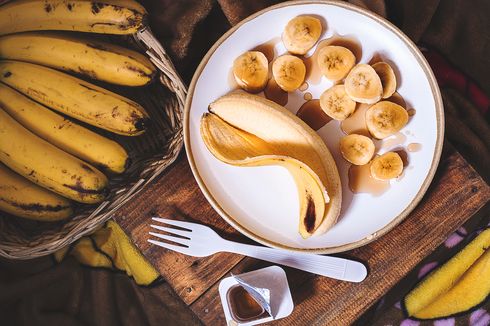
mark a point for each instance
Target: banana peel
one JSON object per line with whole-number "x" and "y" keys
{"x": 109, "y": 247}
{"x": 236, "y": 147}
{"x": 456, "y": 287}
{"x": 282, "y": 133}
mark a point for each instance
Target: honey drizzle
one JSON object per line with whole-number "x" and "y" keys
{"x": 311, "y": 113}
{"x": 275, "y": 93}
{"x": 361, "y": 181}
{"x": 356, "y": 123}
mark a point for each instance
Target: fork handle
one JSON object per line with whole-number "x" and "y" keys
{"x": 333, "y": 267}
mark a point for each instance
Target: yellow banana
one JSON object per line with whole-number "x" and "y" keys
{"x": 101, "y": 16}
{"x": 22, "y": 198}
{"x": 93, "y": 58}
{"x": 236, "y": 147}
{"x": 74, "y": 97}
{"x": 289, "y": 136}
{"x": 47, "y": 165}
{"x": 63, "y": 133}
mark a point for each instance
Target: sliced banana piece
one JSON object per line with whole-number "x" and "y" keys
{"x": 385, "y": 118}
{"x": 363, "y": 84}
{"x": 251, "y": 71}
{"x": 301, "y": 34}
{"x": 387, "y": 166}
{"x": 336, "y": 103}
{"x": 289, "y": 72}
{"x": 387, "y": 76}
{"x": 335, "y": 62}
{"x": 357, "y": 149}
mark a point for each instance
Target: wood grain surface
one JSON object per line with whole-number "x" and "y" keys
{"x": 456, "y": 193}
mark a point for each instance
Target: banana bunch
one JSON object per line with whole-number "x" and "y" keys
{"x": 48, "y": 160}
{"x": 248, "y": 130}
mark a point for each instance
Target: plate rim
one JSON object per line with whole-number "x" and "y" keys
{"x": 440, "y": 123}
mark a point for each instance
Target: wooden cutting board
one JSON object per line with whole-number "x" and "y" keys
{"x": 456, "y": 193}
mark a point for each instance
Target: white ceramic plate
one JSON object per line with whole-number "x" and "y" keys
{"x": 262, "y": 202}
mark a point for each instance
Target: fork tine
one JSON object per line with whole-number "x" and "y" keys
{"x": 179, "y": 241}
{"x": 180, "y": 224}
{"x": 182, "y": 250}
{"x": 186, "y": 234}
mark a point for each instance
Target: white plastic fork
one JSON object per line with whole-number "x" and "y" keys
{"x": 202, "y": 241}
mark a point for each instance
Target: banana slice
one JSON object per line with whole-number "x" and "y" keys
{"x": 289, "y": 72}
{"x": 385, "y": 118}
{"x": 335, "y": 62}
{"x": 387, "y": 76}
{"x": 387, "y": 166}
{"x": 357, "y": 149}
{"x": 301, "y": 33}
{"x": 251, "y": 71}
{"x": 363, "y": 84}
{"x": 336, "y": 103}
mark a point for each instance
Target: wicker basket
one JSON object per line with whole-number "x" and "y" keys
{"x": 150, "y": 153}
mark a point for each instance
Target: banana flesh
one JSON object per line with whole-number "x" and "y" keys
{"x": 387, "y": 166}
{"x": 363, "y": 84}
{"x": 76, "y": 98}
{"x": 289, "y": 136}
{"x": 104, "y": 16}
{"x": 335, "y": 62}
{"x": 47, "y": 165}
{"x": 357, "y": 149}
{"x": 236, "y": 147}
{"x": 251, "y": 71}
{"x": 289, "y": 72}
{"x": 92, "y": 58}
{"x": 387, "y": 77}
{"x": 385, "y": 118}
{"x": 336, "y": 103}
{"x": 22, "y": 198}
{"x": 63, "y": 133}
{"x": 301, "y": 34}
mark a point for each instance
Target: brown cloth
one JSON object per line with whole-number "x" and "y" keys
{"x": 39, "y": 292}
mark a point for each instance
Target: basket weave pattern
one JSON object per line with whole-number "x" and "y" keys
{"x": 151, "y": 154}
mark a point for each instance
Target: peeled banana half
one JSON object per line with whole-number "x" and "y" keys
{"x": 236, "y": 147}
{"x": 64, "y": 133}
{"x": 301, "y": 34}
{"x": 93, "y": 58}
{"x": 101, "y": 16}
{"x": 278, "y": 132}
{"x": 47, "y": 165}
{"x": 75, "y": 97}
{"x": 22, "y": 198}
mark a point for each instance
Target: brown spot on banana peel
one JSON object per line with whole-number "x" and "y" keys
{"x": 47, "y": 7}
{"x": 36, "y": 207}
{"x": 90, "y": 73}
{"x": 7, "y": 74}
{"x": 96, "y": 6}
{"x": 310, "y": 217}
{"x": 78, "y": 187}
{"x": 69, "y": 6}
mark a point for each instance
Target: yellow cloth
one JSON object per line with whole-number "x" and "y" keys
{"x": 457, "y": 286}
{"x": 110, "y": 247}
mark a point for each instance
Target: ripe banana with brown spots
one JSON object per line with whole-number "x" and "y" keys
{"x": 93, "y": 58}
{"x": 64, "y": 133}
{"x": 47, "y": 165}
{"x": 101, "y": 16}
{"x": 22, "y": 198}
{"x": 75, "y": 97}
